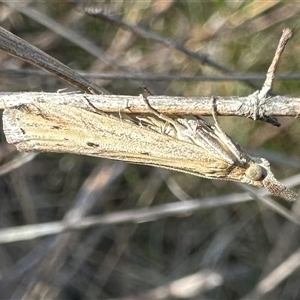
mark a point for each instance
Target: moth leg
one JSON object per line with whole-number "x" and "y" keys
{"x": 224, "y": 137}
{"x": 177, "y": 126}
{"x": 214, "y": 114}
{"x": 95, "y": 109}
{"x": 156, "y": 113}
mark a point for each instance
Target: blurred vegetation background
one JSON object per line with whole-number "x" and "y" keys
{"x": 231, "y": 248}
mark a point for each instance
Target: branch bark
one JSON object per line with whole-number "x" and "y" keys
{"x": 226, "y": 106}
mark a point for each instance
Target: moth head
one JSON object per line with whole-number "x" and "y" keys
{"x": 254, "y": 172}
{"x": 259, "y": 173}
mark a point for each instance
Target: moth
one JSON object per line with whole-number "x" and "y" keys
{"x": 180, "y": 144}
{"x": 190, "y": 146}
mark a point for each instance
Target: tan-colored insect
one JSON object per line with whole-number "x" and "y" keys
{"x": 190, "y": 146}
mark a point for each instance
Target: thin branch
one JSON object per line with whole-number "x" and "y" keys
{"x": 154, "y": 77}
{"x": 67, "y": 33}
{"x": 18, "y": 47}
{"x": 186, "y": 287}
{"x": 96, "y": 184}
{"x": 227, "y": 106}
{"x": 28, "y": 232}
{"x": 146, "y": 33}
{"x": 20, "y": 160}
{"x": 267, "y": 86}
{"x": 277, "y": 276}
{"x": 150, "y": 214}
{"x": 272, "y": 204}
{"x": 255, "y": 107}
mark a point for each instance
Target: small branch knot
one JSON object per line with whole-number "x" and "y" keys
{"x": 255, "y": 108}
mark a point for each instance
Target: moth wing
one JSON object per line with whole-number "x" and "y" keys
{"x": 45, "y": 128}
